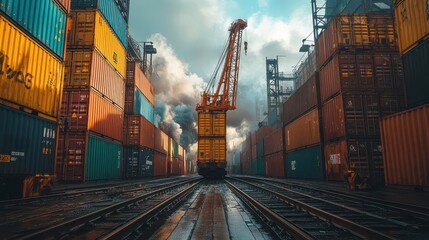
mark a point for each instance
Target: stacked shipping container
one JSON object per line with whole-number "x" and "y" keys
{"x": 31, "y": 73}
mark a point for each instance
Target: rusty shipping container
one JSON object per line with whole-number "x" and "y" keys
{"x": 89, "y": 111}
{"x": 161, "y": 141}
{"x": 89, "y": 69}
{"x": 304, "y": 99}
{"x": 361, "y": 71}
{"x": 303, "y": 132}
{"x": 356, "y": 31}
{"x": 405, "y": 144}
{"x": 362, "y": 156}
{"x": 412, "y": 23}
{"x": 211, "y": 124}
{"x": 159, "y": 164}
{"x": 89, "y": 29}
{"x": 65, "y": 5}
{"x": 139, "y": 131}
{"x": 137, "y": 79}
{"x": 273, "y": 143}
{"x": 275, "y": 165}
{"x": 29, "y": 75}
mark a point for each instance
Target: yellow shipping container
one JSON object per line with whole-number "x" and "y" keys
{"x": 212, "y": 149}
{"x": 29, "y": 75}
{"x": 412, "y": 23}
{"x": 211, "y": 124}
{"x": 89, "y": 29}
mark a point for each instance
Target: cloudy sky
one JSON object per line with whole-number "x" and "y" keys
{"x": 190, "y": 35}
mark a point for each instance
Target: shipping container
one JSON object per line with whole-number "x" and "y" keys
{"x": 89, "y": 29}
{"x": 143, "y": 107}
{"x": 275, "y": 165}
{"x": 84, "y": 157}
{"x": 416, "y": 72}
{"x": 42, "y": 19}
{"x": 258, "y": 167}
{"x": 211, "y": 149}
{"x": 138, "y": 162}
{"x": 405, "y": 144}
{"x": 110, "y": 12}
{"x": 65, "y": 5}
{"x": 301, "y": 101}
{"x": 211, "y": 124}
{"x": 356, "y": 31}
{"x": 274, "y": 142}
{"x": 412, "y": 23}
{"x": 303, "y": 132}
{"x": 139, "y": 131}
{"x": 89, "y": 69}
{"x": 305, "y": 163}
{"x": 27, "y": 144}
{"x": 161, "y": 141}
{"x": 245, "y": 157}
{"x": 137, "y": 79}
{"x": 159, "y": 164}
{"x": 89, "y": 111}
{"x": 336, "y": 162}
{"x": 29, "y": 75}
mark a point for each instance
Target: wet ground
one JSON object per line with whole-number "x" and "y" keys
{"x": 213, "y": 212}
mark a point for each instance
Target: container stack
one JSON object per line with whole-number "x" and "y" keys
{"x": 31, "y": 82}
{"x": 90, "y": 143}
{"x": 405, "y": 139}
{"x": 361, "y": 80}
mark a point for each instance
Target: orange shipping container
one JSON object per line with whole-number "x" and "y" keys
{"x": 136, "y": 78}
{"x": 275, "y": 165}
{"x": 212, "y": 149}
{"x": 139, "y": 131}
{"x": 274, "y": 142}
{"x": 412, "y": 23}
{"x": 88, "y": 111}
{"x": 89, "y": 29}
{"x": 405, "y": 144}
{"x": 161, "y": 141}
{"x": 159, "y": 164}
{"x": 29, "y": 75}
{"x": 86, "y": 69}
{"x": 303, "y": 132}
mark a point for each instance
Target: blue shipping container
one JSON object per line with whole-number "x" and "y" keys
{"x": 103, "y": 160}
{"x": 111, "y": 13}
{"x": 43, "y": 19}
{"x": 143, "y": 106}
{"x": 138, "y": 162}
{"x": 27, "y": 143}
{"x": 305, "y": 163}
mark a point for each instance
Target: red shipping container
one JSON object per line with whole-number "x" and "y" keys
{"x": 304, "y": 99}
{"x": 139, "y": 131}
{"x": 405, "y": 144}
{"x": 336, "y": 160}
{"x": 89, "y": 69}
{"x": 137, "y": 79}
{"x": 88, "y": 111}
{"x": 275, "y": 165}
{"x": 161, "y": 141}
{"x": 159, "y": 164}
{"x": 274, "y": 142}
{"x": 302, "y": 132}
{"x": 74, "y": 166}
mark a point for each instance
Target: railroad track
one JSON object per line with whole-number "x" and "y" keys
{"x": 28, "y": 218}
{"x": 363, "y": 217}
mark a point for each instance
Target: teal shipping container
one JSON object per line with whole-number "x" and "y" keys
{"x": 42, "y": 19}
{"x": 103, "y": 160}
{"x": 138, "y": 162}
{"x": 305, "y": 163}
{"x": 142, "y": 106}
{"x": 175, "y": 149}
{"x": 27, "y": 143}
{"x": 111, "y": 13}
{"x": 258, "y": 167}
{"x": 259, "y": 149}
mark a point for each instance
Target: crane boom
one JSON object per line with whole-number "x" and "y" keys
{"x": 224, "y": 98}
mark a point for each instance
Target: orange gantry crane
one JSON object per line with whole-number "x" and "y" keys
{"x": 211, "y": 156}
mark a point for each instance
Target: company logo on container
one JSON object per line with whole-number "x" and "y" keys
{"x": 14, "y": 74}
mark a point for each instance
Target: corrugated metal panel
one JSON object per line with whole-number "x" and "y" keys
{"x": 219, "y": 124}
{"x": 305, "y": 163}
{"x": 136, "y": 78}
{"x": 159, "y": 164}
{"x": 138, "y": 162}
{"x": 303, "y": 132}
{"x": 416, "y": 71}
{"x": 27, "y": 143}
{"x": 204, "y": 124}
{"x": 304, "y": 99}
{"x": 73, "y": 168}
{"x": 143, "y": 107}
{"x": 140, "y": 131}
{"x": 161, "y": 141}
{"x": 212, "y": 149}
{"x": 103, "y": 159}
{"x": 336, "y": 160}
{"x": 333, "y": 118}
{"x": 373, "y": 30}
{"x": 43, "y": 19}
{"x": 405, "y": 144}
{"x": 110, "y": 11}
{"x": 258, "y": 167}
{"x": 211, "y": 124}
{"x": 412, "y": 23}
{"x": 29, "y": 75}
{"x": 274, "y": 142}
{"x": 86, "y": 69}
{"x": 65, "y": 5}
{"x": 90, "y": 112}
{"x": 89, "y": 29}
{"x": 275, "y": 165}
